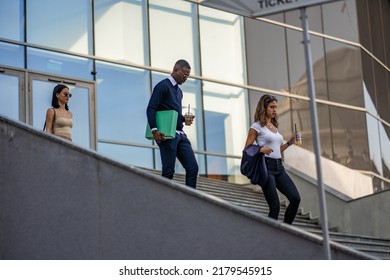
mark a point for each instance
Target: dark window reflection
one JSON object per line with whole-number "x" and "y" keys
{"x": 325, "y": 131}
{"x": 376, "y": 29}
{"x": 382, "y": 100}
{"x": 368, "y": 74}
{"x": 266, "y": 47}
{"x": 350, "y": 143}
{"x": 285, "y": 114}
{"x": 384, "y": 132}
{"x": 297, "y": 66}
{"x": 340, "y": 20}
{"x": 344, "y": 73}
{"x": 364, "y": 26}
{"x": 380, "y": 185}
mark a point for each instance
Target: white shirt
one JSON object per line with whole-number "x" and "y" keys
{"x": 266, "y": 137}
{"x": 174, "y": 83}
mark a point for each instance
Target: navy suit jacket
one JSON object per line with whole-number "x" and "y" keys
{"x": 253, "y": 165}
{"x": 165, "y": 97}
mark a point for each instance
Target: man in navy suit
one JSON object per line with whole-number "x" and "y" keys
{"x": 168, "y": 96}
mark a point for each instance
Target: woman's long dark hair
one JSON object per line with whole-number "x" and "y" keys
{"x": 261, "y": 110}
{"x": 54, "y": 101}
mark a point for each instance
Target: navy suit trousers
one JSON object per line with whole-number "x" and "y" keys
{"x": 179, "y": 147}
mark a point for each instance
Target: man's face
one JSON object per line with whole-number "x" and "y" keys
{"x": 182, "y": 75}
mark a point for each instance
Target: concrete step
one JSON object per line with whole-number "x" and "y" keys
{"x": 357, "y": 241}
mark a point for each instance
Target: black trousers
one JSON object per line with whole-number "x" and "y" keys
{"x": 278, "y": 179}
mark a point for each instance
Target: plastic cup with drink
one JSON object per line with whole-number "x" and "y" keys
{"x": 188, "y": 116}
{"x": 298, "y": 136}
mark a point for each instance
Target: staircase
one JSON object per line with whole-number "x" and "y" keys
{"x": 254, "y": 200}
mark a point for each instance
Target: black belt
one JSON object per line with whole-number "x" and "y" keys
{"x": 273, "y": 160}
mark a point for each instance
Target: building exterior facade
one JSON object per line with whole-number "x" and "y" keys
{"x": 112, "y": 52}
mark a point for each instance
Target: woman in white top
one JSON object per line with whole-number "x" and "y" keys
{"x": 59, "y": 119}
{"x": 265, "y": 132}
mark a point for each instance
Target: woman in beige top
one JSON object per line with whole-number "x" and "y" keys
{"x": 59, "y": 118}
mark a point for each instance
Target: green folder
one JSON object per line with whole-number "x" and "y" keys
{"x": 166, "y": 123}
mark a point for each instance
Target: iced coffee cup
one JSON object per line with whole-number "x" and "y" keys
{"x": 188, "y": 118}
{"x": 298, "y": 136}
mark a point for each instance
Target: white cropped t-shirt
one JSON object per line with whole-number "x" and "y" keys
{"x": 266, "y": 137}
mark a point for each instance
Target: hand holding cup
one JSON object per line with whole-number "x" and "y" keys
{"x": 298, "y": 136}
{"x": 188, "y": 118}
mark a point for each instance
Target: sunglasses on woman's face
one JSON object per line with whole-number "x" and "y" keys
{"x": 66, "y": 94}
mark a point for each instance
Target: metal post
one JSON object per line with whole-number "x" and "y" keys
{"x": 316, "y": 138}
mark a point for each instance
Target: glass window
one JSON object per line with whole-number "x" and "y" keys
{"x": 266, "y": 48}
{"x": 11, "y": 55}
{"x": 368, "y": 74}
{"x": 222, "y": 45}
{"x": 226, "y": 125}
{"x": 375, "y": 148}
{"x": 340, "y": 20}
{"x": 122, "y": 97}
{"x": 364, "y": 25}
{"x": 136, "y": 156}
{"x": 224, "y": 168}
{"x": 384, "y": 132}
{"x": 121, "y": 30}
{"x": 173, "y": 33}
{"x": 344, "y": 73}
{"x": 386, "y": 39}
{"x": 376, "y": 29}
{"x": 64, "y": 25}
{"x": 349, "y": 133}
{"x": 295, "y": 112}
{"x": 325, "y": 130}
{"x": 297, "y": 64}
{"x": 11, "y": 19}
{"x": 300, "y": 116}
{"x": 9, "y": 95}
{"x": 59, "y": 64}
{"x": 380, "y": 185}
{"x": 314, "y": 17}
{"x": 373, "y": 128}
{"x": 382, "y": 93}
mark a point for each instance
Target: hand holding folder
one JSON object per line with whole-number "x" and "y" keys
{"x": 166, "y": 123}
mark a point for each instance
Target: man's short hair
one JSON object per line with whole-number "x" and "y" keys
{"x": 181, "y": 63}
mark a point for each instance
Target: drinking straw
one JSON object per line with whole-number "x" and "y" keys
{"x": 188, "y": 109}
